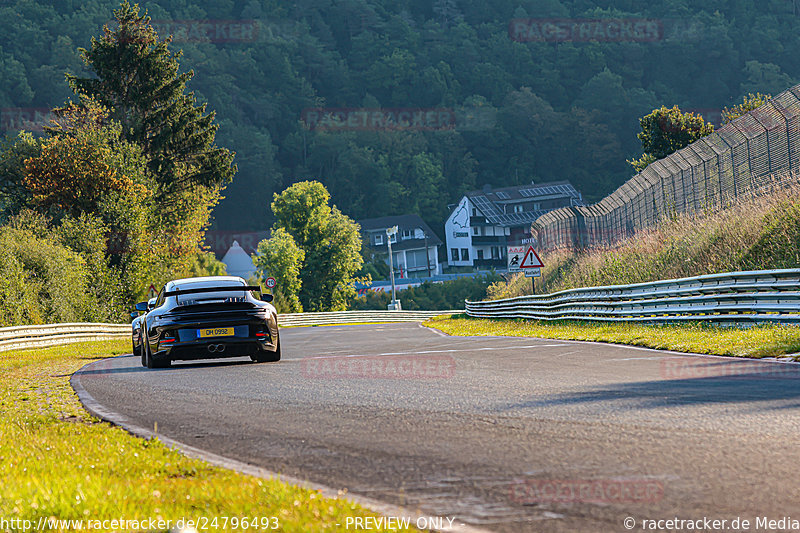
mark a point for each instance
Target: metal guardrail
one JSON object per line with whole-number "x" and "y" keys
{"x": 16, "y": 337}
{"x": 350, "y": 317}
{"x": 734, "y": 297}
{"x": 19, "y": 337}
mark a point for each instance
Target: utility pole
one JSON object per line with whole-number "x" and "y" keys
{"x": 427, "y": 259}
{"x": 390, "y": 232}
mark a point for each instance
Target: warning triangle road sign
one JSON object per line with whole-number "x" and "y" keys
{"x": 531, "y": 259}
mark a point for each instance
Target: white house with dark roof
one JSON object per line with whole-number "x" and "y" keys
{"x": 484, "y": 223}
{"x": 413, "y": 242}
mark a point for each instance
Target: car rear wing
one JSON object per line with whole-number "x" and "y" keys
{"x": 179, "y": 292}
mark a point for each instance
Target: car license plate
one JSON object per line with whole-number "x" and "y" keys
{"x": 215, "y": 332}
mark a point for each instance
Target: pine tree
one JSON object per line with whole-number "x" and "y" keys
{"x": 138, "y": 79}
{"x": 448, "y": 12}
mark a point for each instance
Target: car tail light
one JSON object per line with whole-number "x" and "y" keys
{"x": 262, "y": 333}
{"x": 167, "y": 340}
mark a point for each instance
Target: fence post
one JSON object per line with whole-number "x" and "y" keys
{"x": 769, "y": 155}
{"x": 749, "y": 163}
{"x": 733, "y": 167}
{"x": 580, "y": 228}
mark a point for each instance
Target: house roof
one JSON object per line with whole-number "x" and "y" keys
{"x": 238, "y": 262}
{"x": 490, "y": 201}
{"x": 403, "y": 222}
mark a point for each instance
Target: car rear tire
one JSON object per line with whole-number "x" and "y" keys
{"x": 269, "y": 357}
{"x": 153, "y": 362}
{"x": 139, "y": 352}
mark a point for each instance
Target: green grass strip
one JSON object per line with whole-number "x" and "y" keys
{"x": 755, "y": 342}
{"x": 58, "y": 461}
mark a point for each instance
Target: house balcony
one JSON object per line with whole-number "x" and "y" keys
{"x": 488, "y": 264}
{"x": 489, "y": 239}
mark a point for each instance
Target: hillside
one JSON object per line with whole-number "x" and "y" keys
{"x": 761, "y": 233}
{"x": 546, "y": 111}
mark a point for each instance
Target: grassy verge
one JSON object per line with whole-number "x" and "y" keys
{"x": 756, "y": 342}
{"x": 759, "y": 233}
{"x": 58, "y": 461}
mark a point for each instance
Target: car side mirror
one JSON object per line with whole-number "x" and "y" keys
{"x": 151, "y": 303}
{"x": 267, "y": 297}
{"x": 134, "y": 315}
{"x": 141, "y": 306}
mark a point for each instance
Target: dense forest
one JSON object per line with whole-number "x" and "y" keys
{"x": 525, "y": 111}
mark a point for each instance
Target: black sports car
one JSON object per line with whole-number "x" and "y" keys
{"x": 206, "y": 318}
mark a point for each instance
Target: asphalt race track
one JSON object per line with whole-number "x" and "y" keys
{"x": 508, "y": 434}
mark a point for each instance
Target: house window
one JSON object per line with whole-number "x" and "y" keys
{"x": 393, "y": 238}
{"x": 495, "y": 253}
{"x": 474, "y": 212}
{"x": 408, "y": 233}
{"x": 465, "y": 254}
{"x": 378, "y": 239}
{"x": 518, "y": 208}
{"x": 480, "y": 254}
{"x": 474, "y": 231}
{"x": 454, "y": 254}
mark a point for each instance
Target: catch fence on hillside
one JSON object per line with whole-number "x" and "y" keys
{"x": 757, "y": 152}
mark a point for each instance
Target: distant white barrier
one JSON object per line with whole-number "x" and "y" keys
{"x": 26, "y": 337}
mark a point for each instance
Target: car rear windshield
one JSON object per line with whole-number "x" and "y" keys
{"x": 210, "y": 297}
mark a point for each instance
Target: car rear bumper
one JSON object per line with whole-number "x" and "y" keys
{"x": 215, "y": 349}
{"x": 184, "y": 335}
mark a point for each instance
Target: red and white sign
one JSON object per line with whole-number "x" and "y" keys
{"x": 152, "y": 293}
{"x": 515, "y": 256}
{"x": 531, "y": 259}
{"x": 270, "y": 283}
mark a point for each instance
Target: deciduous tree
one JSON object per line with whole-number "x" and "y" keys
{"x": 749, "y": 102}
{"x": 329, "y": 239}
{"x": 667, "y": 130}
{"x": 281, "y": 258}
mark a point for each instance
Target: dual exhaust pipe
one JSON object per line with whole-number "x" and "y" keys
{"x": 216, "y": 348}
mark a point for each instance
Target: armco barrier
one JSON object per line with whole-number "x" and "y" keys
{"x": 734, "y": 297}
{"x": 349, "y": 317}
{"x": 18, "y": 337}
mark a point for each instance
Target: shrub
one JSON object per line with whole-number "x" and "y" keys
{"x": 42, "y": 281}
{"x": 431, "y": 296}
